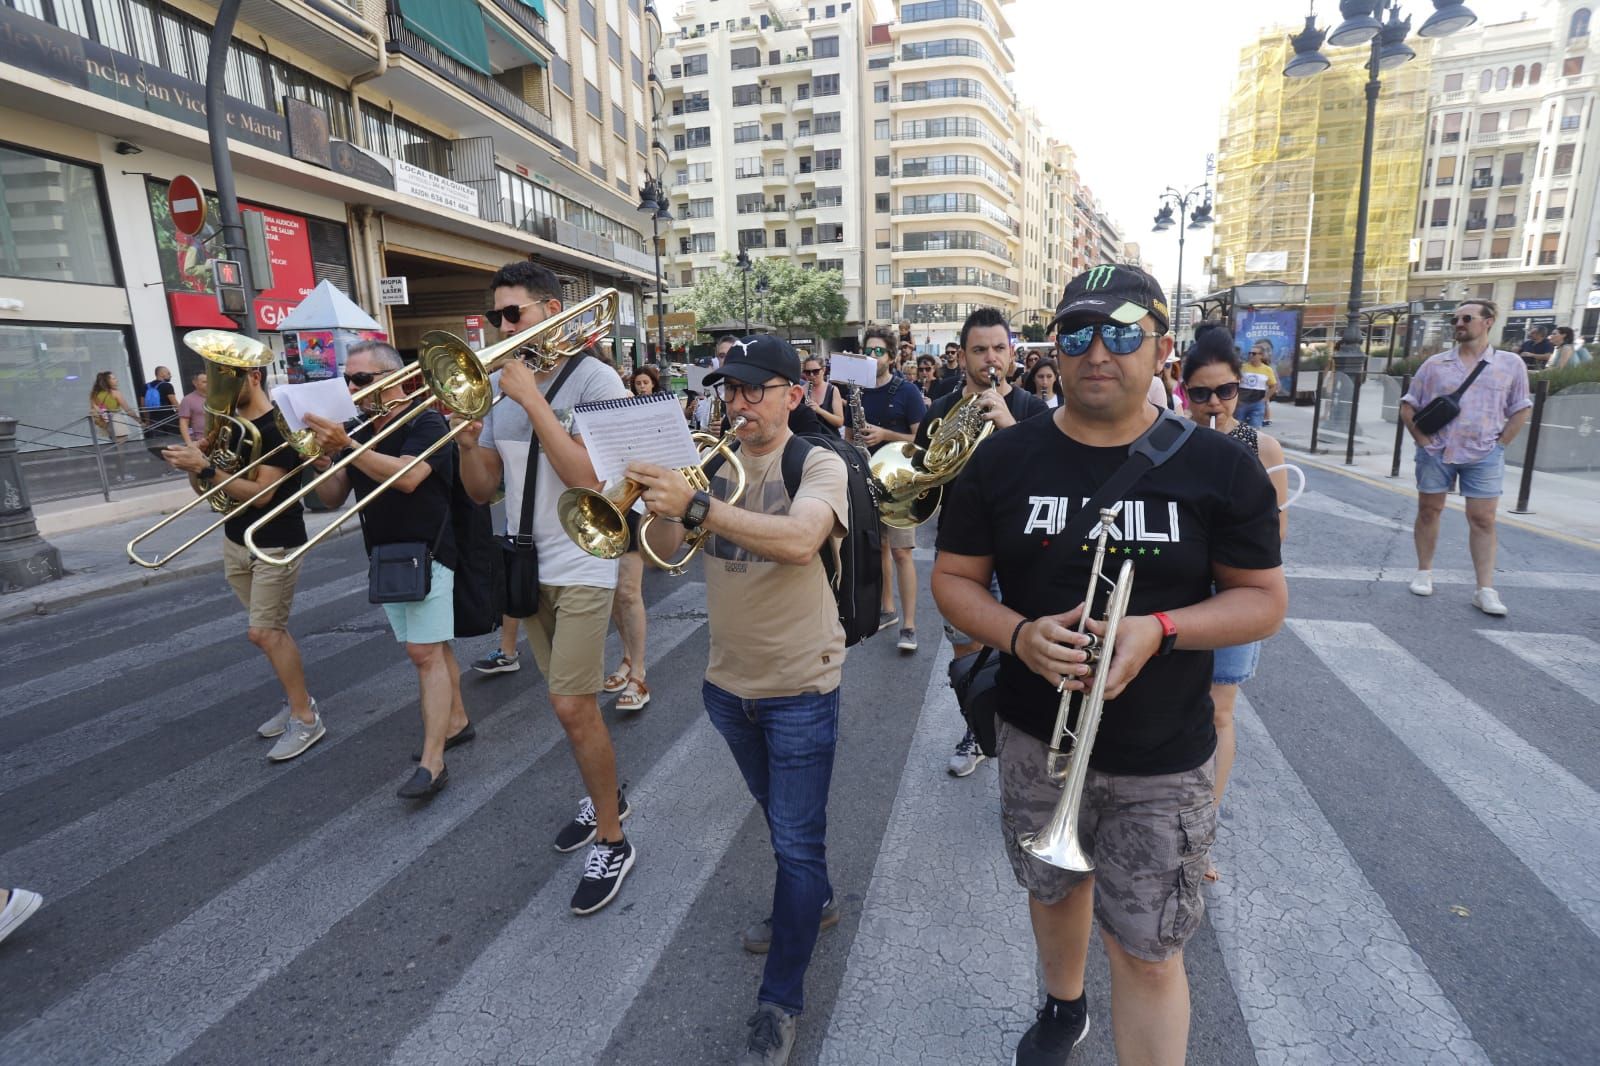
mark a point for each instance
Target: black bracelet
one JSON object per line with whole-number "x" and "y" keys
{"x": 1015, "y": 633}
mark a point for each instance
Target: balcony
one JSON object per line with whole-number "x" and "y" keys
{"x": 1477, "y": 222}
{"x": 530, "y": 20}
{"x": 1439, "y": 223}
{"x": 1433, "y": 264}
{"x": 1489, "y": 266}
{"x": 1548, "y": 258}
{"x": 1505, "y": 221}
{"x": 332, "y": 33}
{"x": 770, "y": 143}
{"x": 1442, "y": 182}
{"x": 1482, "y": 180}
{"x": 750, "y": 172}
{"x": 1508, "y": 180}
{"x": 1555, "y": 214}
{"x": 1571, "y": 122}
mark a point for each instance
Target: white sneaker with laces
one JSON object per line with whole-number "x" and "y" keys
{"x": 1422, "y": 584}
{"x": 18, "y": 909}
{"x": 967, "y": 756}
{"x": 298, "y": 736}
{"x": 1488, "y": 601}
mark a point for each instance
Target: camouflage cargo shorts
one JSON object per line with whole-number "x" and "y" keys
{"x": 1150, "y": 838}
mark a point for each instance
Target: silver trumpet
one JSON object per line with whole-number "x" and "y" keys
{"x": 1057, "y": 843}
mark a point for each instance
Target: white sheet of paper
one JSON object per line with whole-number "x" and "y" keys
{"x": 696, "y": 376}
{"x": 328, "y": 399}
{"x": 853, "y": 370}
{"x": 644, "y": 428}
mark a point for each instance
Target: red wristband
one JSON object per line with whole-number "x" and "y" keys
{"x": 1169, "y": 632}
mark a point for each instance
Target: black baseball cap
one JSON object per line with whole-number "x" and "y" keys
{"x": 753, "y": 360}
{"x": 1111, "y": 292}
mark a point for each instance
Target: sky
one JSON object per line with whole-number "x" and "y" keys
{"x": 1139, "y": 89}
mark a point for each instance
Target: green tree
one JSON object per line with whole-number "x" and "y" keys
{"x": 1033, "y": 332}
{"x": 794, "y": 299}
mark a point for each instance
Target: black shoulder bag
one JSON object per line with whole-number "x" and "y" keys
{"x": 1443, "y": 410}
{"x": 975, "y": 676}
{"x": 402, "y": 572}
{"x": 521, "y": 553}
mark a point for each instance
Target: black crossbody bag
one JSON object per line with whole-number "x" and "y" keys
{"x": 521, "y": 553}
{"x": 1443, "y": 410}
{"x": 402, "y": 572}
{"x": 976, "y": 676}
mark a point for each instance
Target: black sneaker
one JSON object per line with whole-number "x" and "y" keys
{"x": 581, "y": 829}
{"x": 498, "y": 662}
{"x": 1051, "y": 1039}
{"x": 602, "y": 876}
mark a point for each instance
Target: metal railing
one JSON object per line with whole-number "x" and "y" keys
{"x": 84, "y": 458}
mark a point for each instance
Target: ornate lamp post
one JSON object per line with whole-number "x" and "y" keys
{"x": 653, "y": 198}
{"x": 744, "y": 265}
{"x": 1175, "y": 202}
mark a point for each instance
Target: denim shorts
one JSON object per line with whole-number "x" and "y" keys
{"x": 1251, "y": 412}
{"x": 428, "y": 621}
{"x": 1479, "y": 481}
{"x": 1235, "y": 665}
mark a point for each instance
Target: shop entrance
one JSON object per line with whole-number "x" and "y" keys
{"x": 443, "y": 295}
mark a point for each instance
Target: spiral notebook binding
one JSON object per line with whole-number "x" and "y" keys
{"x": 623, "y": 403}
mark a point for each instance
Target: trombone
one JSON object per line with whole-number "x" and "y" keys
{"x": 226, "y": 354}
{"x": 1057, "y": 842}
{"x": 461, "y": 379}
{"x": 597, "y": 522}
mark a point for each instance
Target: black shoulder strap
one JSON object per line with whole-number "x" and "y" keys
{"x": 1483, "y": 362}
{"x": 531, "y": 476}
{"x": 795, "y": 451}
{"x": 1158, "y": 444}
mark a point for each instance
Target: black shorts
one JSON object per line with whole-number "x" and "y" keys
{"x": 633, "y": 531}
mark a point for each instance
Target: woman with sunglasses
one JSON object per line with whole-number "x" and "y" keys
{"x": 821, "y": 396}
{"x": 1211, "y": 375}
{"x": 1044, "y": 381}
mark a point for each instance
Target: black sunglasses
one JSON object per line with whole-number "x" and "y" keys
{"x": 360, "y": 379}
{"x": 1463, "y": 319}
{"x": 1118, "y": 339}
{"x": 512, "y": 313}
{"x": 813, "y": 370}
{"x": 1201, "y": 394}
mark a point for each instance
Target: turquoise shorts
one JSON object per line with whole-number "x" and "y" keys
{"x": 429, "y": 621}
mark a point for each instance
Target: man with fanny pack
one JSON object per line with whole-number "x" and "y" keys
{"x": 1488, "y": 389}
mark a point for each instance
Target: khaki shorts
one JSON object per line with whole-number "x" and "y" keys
{"x": 896, "y": 537}
{"x": 1149, "y": 837}
{"x": 267, "y": 591}
{"x": 568, "y": 637}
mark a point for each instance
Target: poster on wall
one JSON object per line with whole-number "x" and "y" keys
{"x": 317, "y": 354}
{"x": 1281, "y": 330}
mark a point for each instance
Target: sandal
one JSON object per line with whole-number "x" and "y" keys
{"x": 617, "y": 680}
{"x": 634, "y": 696}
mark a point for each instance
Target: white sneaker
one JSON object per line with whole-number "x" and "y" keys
{"x": 274, "y": 726}
{"x": 1422, "y": 584}
{"x": 1488, "y": 601}
{"x": 298, "y": 736}
{"x": 19, "y": 908}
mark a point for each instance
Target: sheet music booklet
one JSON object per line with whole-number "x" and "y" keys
{"x": 640, "y": 428}
{"x": 328, "y": 399}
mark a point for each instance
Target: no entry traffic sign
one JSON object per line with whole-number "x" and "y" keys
{"x": 187, "y": 205}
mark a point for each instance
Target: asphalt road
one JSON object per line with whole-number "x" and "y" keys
{"x": 1409, "y": 850}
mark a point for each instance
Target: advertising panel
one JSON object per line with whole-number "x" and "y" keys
{"x": 1280, "y": 329}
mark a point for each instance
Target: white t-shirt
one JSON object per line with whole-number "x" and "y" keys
{"x": 508, "y": 431}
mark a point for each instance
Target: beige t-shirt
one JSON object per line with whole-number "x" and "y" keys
{"x": 774, "y": 627}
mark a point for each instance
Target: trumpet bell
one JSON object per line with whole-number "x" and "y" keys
{"x": 597, "y": 523}
{"x": 1058, "y": 845}
{"x": 455, "y": 374}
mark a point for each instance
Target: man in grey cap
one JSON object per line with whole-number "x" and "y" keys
{"x": 1205, "y": 518}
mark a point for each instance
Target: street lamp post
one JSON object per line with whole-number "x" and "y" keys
{"x": 1199, "y": 219}
{"x": 744, "y": 265}
{"x": 1364, "y": 24}
{"x": 653, "y": 198}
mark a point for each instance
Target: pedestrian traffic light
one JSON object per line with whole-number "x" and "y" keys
{"x": 228, "y": 279}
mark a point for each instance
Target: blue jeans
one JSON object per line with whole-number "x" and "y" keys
{"x": 1251, "y": 413}
{"x": 784, "y": 748}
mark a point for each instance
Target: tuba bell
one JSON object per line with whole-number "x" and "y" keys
{"x": 231, "y": 443}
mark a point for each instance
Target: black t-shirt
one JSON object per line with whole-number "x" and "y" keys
{"x": 1022, "y": 405}
{"x": 288, "y": 530}
{"x": 1533, "y": 347}
{"x": 396, "y": 517}
{"x": 948, "y": 381}
{"x": 1210, "y": 503}
{"x": 896, "y": 406}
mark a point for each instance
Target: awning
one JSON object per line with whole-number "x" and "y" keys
{"x": 493, "y": 23}
{"x": 537, "y": 5}
{"x": 452, "y": 27}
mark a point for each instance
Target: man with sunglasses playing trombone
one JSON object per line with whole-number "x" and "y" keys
{"x": 568, "y": 631}
{"x": 1202, "y": 531}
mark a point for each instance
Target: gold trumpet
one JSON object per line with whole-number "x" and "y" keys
{"x": 461, "y": 379}
{"x": 597, "y": 522}
{"x": 228, "y": 356}
{"x": 1057, "y": 842}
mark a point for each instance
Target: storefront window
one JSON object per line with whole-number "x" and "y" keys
{"x": 46, "y": 375}
{"x": 52, "y": 222}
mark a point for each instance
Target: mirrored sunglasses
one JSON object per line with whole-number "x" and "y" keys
{"x": 1118, "y": 339}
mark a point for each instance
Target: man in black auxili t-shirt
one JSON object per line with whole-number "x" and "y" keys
{"x": 414, "y": 510}
{"x": 266, "y": 589}
{"x": 1207, "y": 517}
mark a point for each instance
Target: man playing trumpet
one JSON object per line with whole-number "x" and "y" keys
{"x": 1205, "y": 519}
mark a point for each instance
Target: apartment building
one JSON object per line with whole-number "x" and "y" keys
{"x": 1509, "y": 183}
{"x": 764, "y": 119}
{"x": 1288, "y": 177}
{"x": 422, "y": 139}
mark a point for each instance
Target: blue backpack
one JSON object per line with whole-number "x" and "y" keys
{"x": 152, "y": 396}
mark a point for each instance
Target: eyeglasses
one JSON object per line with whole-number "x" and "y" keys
{"x": 877, "y": 350}
{"x": 360, "y": 379}
{"x": 1201, "y": 394}
{"x": 1118, "y": 339}
{"x": 1462, "y": 320}
{"x": 812, "y": 370}
{"x": 727, "y": 390}
{"x": 512, "y": 313}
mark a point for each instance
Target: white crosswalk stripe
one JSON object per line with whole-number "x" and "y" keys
{"x": 1294, "y": 915}
{"x": 1571, "y": 659}
{"x": 1539, "y": 810}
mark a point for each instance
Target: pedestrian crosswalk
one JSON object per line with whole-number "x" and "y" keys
{"x": 1315, "y": 951}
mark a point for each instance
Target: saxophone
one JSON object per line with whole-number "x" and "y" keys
{"x": 858, "y": 417}
{"x": 913, "y": 481}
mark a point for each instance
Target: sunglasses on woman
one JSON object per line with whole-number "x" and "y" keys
{"x": 512, "y": 313}
{"x": 1118, "y": 339}
{"x": 1201, "y": 394}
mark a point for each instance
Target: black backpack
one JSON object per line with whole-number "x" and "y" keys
{"x": 480, "y": 581}
{"x": 857, "y": 581}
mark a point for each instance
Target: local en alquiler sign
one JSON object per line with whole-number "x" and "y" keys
{"x": 393, "y": 290}
{"x": 426, "y": 185}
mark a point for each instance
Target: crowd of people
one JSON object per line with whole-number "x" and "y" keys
{"x": 1063, "y": 424}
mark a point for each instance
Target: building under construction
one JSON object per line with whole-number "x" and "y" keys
{"x": 1289, "y": 173}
